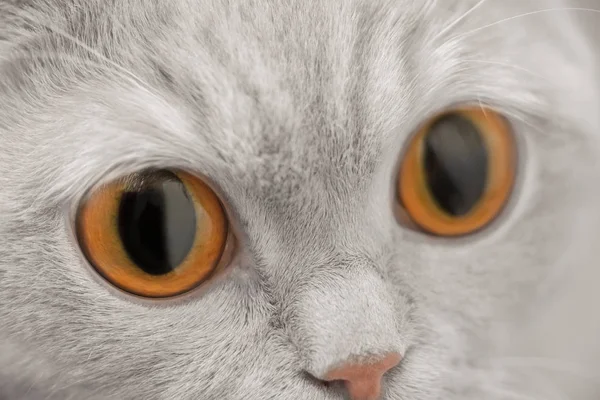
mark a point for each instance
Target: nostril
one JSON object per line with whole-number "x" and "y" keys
{"x": 363, "y": 379}
{"x": 316, "y": 381}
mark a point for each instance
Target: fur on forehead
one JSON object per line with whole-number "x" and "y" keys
{"x": 251, "y": 92}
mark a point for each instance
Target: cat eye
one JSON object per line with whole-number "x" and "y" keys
{"x": 155, "y": 234}
{"x": 458, "y": 171}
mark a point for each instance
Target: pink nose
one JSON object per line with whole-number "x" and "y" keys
{"x": 363, "y": 380}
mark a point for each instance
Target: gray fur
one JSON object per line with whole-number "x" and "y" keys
{"x": 297, "y": 111}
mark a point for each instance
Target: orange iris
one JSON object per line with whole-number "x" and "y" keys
{"x": 458, "y": 171}
{"x": 154, "y": 235}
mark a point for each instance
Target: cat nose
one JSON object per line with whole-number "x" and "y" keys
{"x": 363, "y": 380}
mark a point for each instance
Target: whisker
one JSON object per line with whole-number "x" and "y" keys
{"x": 548, "y": 364}
{"x": 482, "y": 108}
{"x": 139, "y": 81}
{"x": 79, "y": 60}
{"x": 458, "y": 20}
{"x": 521, "y": 16}
{"x": 509, "y": 393}
{"x": 103, "y": 58}
{"x": 517, "y": 67}
{"x": 463, "y": 66}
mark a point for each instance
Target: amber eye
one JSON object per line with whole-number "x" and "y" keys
{"x": 154, "y": 234}
{"x": 458, "y": 171}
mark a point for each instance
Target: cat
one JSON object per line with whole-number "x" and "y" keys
{"x": 297, "y": 113}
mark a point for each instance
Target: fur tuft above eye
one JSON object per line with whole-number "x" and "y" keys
{"x": 458, "y": 171}
{"x": 156, "y": 234}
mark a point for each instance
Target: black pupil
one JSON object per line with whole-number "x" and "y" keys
{"x": 157, "y": 225}
{"x": 456, "y": 164}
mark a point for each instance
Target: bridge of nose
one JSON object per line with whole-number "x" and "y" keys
{"x": 349, "y": 316}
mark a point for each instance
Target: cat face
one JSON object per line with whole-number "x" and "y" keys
{"x": 298, "y": 116}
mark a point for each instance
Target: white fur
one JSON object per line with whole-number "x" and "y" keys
{"x": 297, "y": 111}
